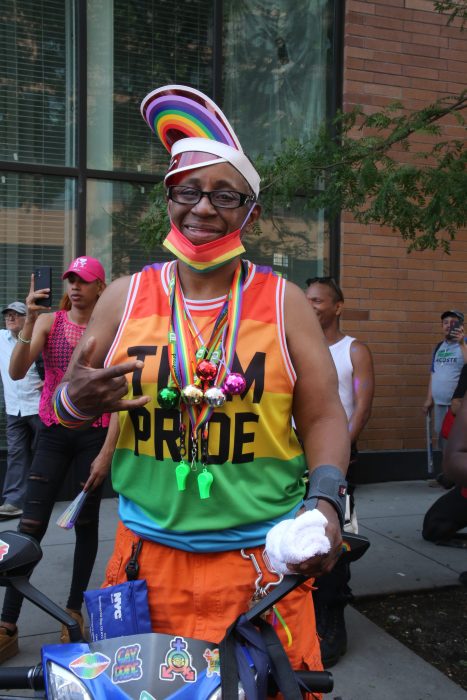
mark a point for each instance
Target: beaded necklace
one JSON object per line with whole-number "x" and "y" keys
{"x": 200, "y": 376}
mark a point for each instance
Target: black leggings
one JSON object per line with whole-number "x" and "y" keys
{"x": 57, "y": 450}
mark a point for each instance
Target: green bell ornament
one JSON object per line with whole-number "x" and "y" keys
{"x": 168, "y": 397}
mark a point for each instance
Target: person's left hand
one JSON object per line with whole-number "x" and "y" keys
{"x": 99, "y": 470}
{"x": 322, "y": 563}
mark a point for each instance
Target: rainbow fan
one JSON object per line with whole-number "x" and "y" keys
{"x": 70, "y": 515}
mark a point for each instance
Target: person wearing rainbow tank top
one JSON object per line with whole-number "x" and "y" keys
{"x": 207, "y": 358}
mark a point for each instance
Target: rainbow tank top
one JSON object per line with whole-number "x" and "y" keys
{"x": 254, "y": 456}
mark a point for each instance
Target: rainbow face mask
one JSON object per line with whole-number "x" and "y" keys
{"x": 205, "y": 257}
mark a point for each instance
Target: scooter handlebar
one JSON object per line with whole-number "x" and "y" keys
{"x": 22, "y": 677}
{"x": 316, "y": 681}
{"x": 32, "y": 677}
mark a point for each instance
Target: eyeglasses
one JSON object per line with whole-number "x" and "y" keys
{"x": 222, "y": 199}
{"x": 11, "y": 315}
{"x": 329, "y": 282}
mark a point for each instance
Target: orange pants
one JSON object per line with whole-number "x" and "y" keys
{"x": 200, "y": 595}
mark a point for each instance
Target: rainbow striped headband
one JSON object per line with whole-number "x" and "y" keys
{"x": 188, "y": 122}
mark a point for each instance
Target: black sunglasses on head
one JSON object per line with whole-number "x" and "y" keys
{"x": 329, "y": 282}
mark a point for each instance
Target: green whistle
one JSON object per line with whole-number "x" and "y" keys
{"x": 181, "y": 473}
{"x": 205, "y": 480}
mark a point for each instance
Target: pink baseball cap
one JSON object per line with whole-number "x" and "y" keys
{"x": 89, "y": 269}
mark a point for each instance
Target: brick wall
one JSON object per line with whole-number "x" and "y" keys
{"x": 399, "y": 50}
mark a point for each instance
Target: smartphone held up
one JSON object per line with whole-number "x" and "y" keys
{"x": 455, "y": 325}
{"x": 43, "y": 280}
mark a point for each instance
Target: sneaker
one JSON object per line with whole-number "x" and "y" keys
{"x": 65, "y": 635}
{"x": 8, "y": 510}
{"x": 333, "y": 635}
{"x": 8, "y": 644}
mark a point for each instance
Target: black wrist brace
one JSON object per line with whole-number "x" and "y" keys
{"x": 328, "y": 483}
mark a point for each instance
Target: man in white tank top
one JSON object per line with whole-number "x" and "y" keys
{"x": 354, "y": 366}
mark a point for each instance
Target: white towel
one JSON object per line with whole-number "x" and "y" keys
{"x": 295, "y": 541}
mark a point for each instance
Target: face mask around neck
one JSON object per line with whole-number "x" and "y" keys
{"x": 205, "y": 257}
{"x": 208, "y": 256}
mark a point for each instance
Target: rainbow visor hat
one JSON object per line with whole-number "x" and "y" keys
{"x": 195, "y": 132}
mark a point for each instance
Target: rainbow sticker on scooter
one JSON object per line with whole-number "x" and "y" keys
{"x": 128, "y": 666}
{"x": 4, "y": 549}
{"x": 89, "y": 666}
{"x": 213, "y": 661}
{"x": 178, "y": 662}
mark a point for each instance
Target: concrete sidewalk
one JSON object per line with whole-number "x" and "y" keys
{"x": 376, "y": 667}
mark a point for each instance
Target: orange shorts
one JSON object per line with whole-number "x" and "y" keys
{"x": 199, "y": 595}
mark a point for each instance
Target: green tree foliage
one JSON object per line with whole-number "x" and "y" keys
{"x": 342, "y": 169}
{"x": 453, "y": 8}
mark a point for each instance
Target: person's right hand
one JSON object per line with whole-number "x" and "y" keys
{"x": 427, "y": 406}
{"x": 321, "y": 564}
{"x": 35, "y": 309}
{"x": 96, "y": 391}
{"x": 100, "y": 467}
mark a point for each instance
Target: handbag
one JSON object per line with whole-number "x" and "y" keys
{"x": 117, "y": 611}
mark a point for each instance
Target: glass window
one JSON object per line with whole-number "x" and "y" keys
{"x": 37, "y": 85}
{"x": 277, "y": 59}
{"x": 37, "y": 216}
{"x": 134, "y": 47}
{"x": 37, "y": 220}
{"x": 294, "y": 243}
{"x": 113, "y": 213}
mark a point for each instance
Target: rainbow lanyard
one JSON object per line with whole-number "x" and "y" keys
{"x": 186, "y": 347}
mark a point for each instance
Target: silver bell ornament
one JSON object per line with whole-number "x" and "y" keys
{"x": 192, "y": 395}
{"x": 215, "y": 397}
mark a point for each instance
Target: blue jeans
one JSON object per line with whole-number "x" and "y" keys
{"x": 22, "y": 433}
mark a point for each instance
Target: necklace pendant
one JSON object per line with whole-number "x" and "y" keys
{"x": 181, "y": 474}
{"x": 206, "y": 370}
{"x": 192, "y": 395}
{"x": 234, "y": 383}
{"x": 168, "y": 397}
{"x": 215, "y": 397}
{"x": 205, "y": 480}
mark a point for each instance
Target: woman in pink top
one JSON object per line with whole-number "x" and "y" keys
{"x": 56, "y": 335}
